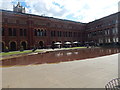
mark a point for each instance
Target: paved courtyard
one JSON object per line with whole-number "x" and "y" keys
{"x": 89, "y": 73}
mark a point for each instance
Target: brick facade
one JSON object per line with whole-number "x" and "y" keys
{"x": 32, "y": 30}
{"x": 104, "y": 31}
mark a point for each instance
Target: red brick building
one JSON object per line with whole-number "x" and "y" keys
{"x": 19, "y": 28}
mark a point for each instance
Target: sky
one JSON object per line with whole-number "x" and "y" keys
{"x": 76, "y": 10}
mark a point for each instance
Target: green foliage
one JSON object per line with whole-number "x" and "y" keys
{"x": 18, "y": 52}
{"x": 74, "y": 47}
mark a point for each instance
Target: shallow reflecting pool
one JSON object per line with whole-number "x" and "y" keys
{"x": 59, "y": 56}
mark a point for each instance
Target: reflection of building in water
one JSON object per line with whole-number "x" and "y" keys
{"x": 28, "y": 30}
{"x": 59, "y": 54}
{"x": 75, "y": 52}
{"x": 69, "y": 53}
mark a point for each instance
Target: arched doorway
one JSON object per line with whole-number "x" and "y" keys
{"x": 12, "y": 46}
{"x": 41, "y": 45}
{"x": 3, "y": 47}
{"x": 53, "y": 45}
{"x": 24, "y": 44}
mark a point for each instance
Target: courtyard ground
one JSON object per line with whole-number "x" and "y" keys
{"x": 88, "y": 73}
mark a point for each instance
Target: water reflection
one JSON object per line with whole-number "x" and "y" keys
{"x": 75, "y": 52}
{"x": 59, "y": 56}
{"x": 69, "y": 53}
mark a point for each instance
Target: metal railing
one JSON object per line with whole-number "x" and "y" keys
{"x": 113, "y": 84}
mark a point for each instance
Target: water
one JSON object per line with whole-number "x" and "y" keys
{"x": 59, "y": 56}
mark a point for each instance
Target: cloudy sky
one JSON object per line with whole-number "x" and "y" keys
{"x": 75, "y": 10}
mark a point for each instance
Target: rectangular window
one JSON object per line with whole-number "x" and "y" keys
{"x": 116, "y": 30}
{"x": 71, "y": 34}
{"x": 66, "y": 34}
{"x": 3, "y": 31}
{"x": 105, "y": 32}
{"x": 21, "y": 34}
{"x": 109, "y": 40}
{"x": 25, "y": 32}
{"x": 106, "y": 40}
{"x": 60, "y": 33}
{"x": 51, "y": 33}
{"x": 14, "y": 32}
{"x": 10, "y": 31}
{"x": 117, "y": 39}
{"x": 74, "y": 34}
{"x": 108, "y": 32}
{"x": 100, "y": 40}
{"x": 54, "y": 33}
{"x": 63, "y": 34}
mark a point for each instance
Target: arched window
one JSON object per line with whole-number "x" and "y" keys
{"x": 35, "y": 32}
{"x": 41, "y": 33}
{"x": 38, "y": 32}
{"x": 45, "y": 33}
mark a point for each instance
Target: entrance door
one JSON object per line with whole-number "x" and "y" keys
{"x": 41, "y": 44}
{"x": 3, "y": 47}
{"x": 24, "y": 45}
{"x": 12, "y": 46}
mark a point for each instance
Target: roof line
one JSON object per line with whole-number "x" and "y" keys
{"x": 40, "y": 16}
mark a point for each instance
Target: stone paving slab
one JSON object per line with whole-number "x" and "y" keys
{"x": 89, "y": 73}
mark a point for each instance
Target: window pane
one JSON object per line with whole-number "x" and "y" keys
{"x": 14, "y": 32}
{"x": 35, "y": 32}
{"x": 10, "y": 31}
{"x": 45, "y": 33}
{"x": 21, "y": 32}
{"x": 3, "y": 31}
{"x": 25, "y": 33}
